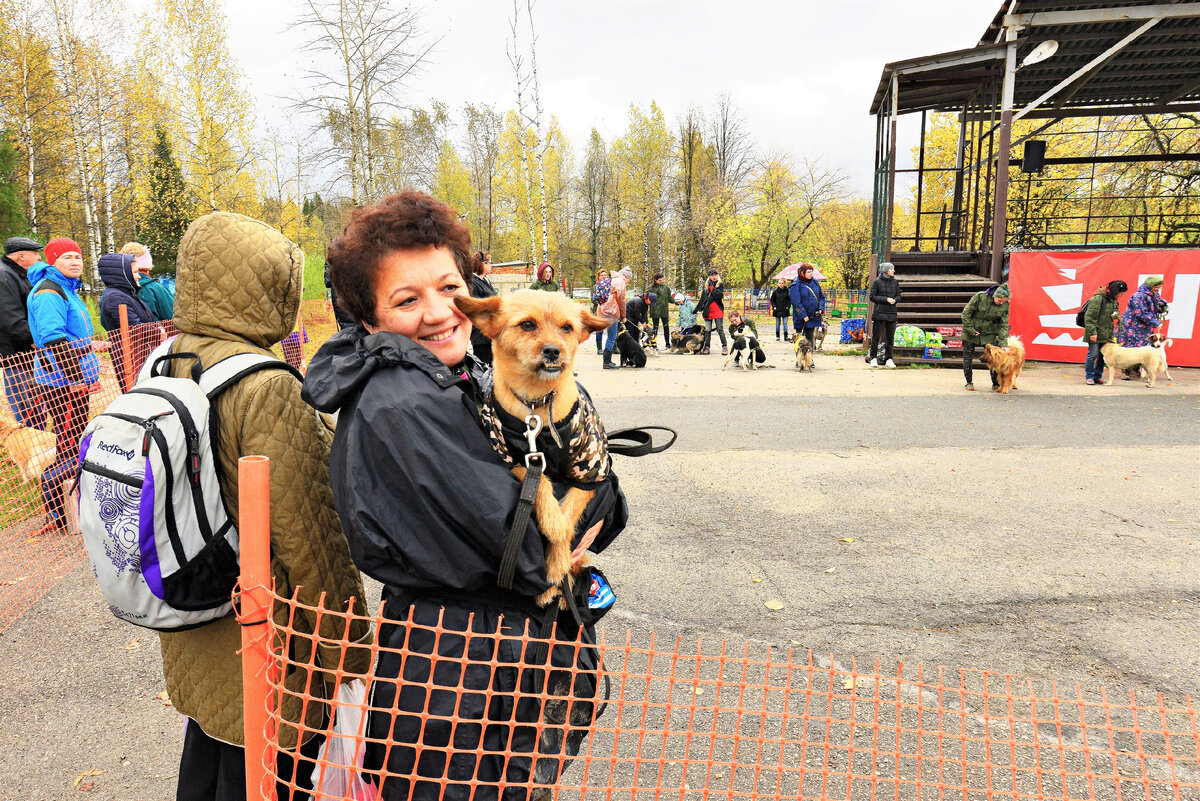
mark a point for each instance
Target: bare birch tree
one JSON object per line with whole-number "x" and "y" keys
{"x": 539, "y": 140}
{"x": 518, "y": 64}
{"x": 372, "y": 49}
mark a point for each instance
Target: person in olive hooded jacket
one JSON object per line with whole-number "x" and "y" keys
{"x": 262, "y": 415}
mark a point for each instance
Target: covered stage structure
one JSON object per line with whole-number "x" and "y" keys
{"x": 1061, "y": 151}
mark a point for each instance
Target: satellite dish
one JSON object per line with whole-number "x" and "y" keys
{"x": 1040, "y": 53}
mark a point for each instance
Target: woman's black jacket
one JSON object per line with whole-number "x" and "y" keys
{"x": 884, "y": 287}
{"x": 427, "y": 505}
{"x": 781, "y": 302}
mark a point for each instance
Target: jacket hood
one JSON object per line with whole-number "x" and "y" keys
{"x": 237, "y": 279}
{"x": 116, "y": 271}
{"x": 344, "y": 364}
{"x": 43, "y": 270}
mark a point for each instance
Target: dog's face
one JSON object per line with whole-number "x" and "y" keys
{"x": 534, "y": 334}
{"x": 802, "y": 345}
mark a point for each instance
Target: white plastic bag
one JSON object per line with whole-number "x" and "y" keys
{"x": 337, "y": 774}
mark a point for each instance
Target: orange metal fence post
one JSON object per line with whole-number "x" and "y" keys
{"x": 126, "y": 349}
{"x": 254, "y": 533}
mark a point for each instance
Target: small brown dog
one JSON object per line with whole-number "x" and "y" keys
{"x": 804, "y": 353}
{"x": 534, "y": 339}
{"x": 1006, "y": 363}
{"x": 31, "y": 449}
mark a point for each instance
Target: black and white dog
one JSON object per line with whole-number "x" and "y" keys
{"x": 745, "y": 350}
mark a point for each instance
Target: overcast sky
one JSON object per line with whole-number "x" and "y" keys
{"x": 802, "y": 72}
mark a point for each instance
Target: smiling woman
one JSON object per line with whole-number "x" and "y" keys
{"x": 428, "y": 507}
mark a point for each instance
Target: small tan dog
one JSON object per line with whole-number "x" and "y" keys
{"x": 1006, "y": 363}
{"x": 804, "y": 353}
{"x": 1148, "y": 359}
{"x": 31, "y": 449}
{"x": 535, "y": 336}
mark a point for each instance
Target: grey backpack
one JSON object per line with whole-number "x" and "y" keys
{"x": 160, "y": 540}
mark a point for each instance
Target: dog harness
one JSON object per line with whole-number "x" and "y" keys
{"x": 583, "y": 461}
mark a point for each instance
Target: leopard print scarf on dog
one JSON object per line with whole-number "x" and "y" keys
{"x": 583, "y": 463}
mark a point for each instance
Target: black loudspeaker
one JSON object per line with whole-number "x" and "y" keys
{"x": 1035, "y": 156}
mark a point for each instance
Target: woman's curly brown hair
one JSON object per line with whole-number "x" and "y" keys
{"x": 409, "y": 220}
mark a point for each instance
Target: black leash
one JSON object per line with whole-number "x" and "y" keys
{"x": 535, "y": 463}
{"x": 640, "y": 442}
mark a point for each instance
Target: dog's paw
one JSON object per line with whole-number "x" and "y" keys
{"x": 547, "y": 597}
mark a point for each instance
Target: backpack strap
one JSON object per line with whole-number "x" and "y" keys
{"x": 227, "y": 372}
{"x": 48, "y": 285}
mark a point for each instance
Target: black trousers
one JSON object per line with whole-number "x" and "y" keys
{"x": 655, "y": 320}
{"x": 211, "y": 770}
{"x": 969, "y": 357}
{"x": 884, "y": 333}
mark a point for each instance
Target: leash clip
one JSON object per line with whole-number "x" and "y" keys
{"x": 533, "y": 427}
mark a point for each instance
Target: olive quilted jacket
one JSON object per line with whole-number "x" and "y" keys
{"x": 238, "y": 291}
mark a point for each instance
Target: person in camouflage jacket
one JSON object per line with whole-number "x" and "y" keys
{"x": 985, "y": 322}
{"x": 1101, "y": 318}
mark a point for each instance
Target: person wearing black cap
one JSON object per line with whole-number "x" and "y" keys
{"x": 16, "y": 342}
{"x": 1101, "y": 316}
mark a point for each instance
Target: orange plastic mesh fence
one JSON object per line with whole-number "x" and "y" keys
{"x": 689, "y": 719}
{"x": 40, "y": 427}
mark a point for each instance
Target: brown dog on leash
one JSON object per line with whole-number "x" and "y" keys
{"x": 535, "y": 336}
{"x": 1006, "y": 363}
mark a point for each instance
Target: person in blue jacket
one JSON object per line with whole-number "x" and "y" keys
{"x": 121, "y": 289}
{"x": 65, "y": 367}
{"x": 808, "y": 303}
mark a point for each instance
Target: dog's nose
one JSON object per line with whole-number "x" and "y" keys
{"x": 551, "y": 353}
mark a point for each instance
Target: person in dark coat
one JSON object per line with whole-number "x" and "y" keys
{"x": 427, "y": 505}
{"x": 481, "y": 287}
{"x": 712, "y": 308}
{"x": 151, "y": 291}
{"x": 781, "y": 308}
{"x": 985, "y": 322}
{"x": 885, "y": 294}
{"x": 16, "y": 342}
{"x": 120, "y": 289}
{"x": 637, "y": 312}
{"x": 808, "y": 303}
{"x": 660, "y": 310}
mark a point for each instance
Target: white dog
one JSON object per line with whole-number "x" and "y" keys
{"x": 1148, "y": 359}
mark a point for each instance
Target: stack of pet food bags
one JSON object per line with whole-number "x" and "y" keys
{"x": 909, "y": 336}
{"x": 853, "y": 330}
{"x": 951, "y": 336}
{"x": 933, "y": 345}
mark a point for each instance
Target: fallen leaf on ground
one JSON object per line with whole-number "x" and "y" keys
{"x": 846, "y": 539}
{"x": 774, "y": 603}
{"x": 87, "y": 788}
{"x": 698, "y": 691}
{"x": 848, "y": 684}
{"x": 166, "y": 699}
{"x": 87, "y": 774}
{"x": 830, "y": 570}
{"x": 757, "y": 581}
{"x": 132, "y": 645}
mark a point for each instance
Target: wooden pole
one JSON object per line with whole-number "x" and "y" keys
{"x": 254, "y": 533}
{"x": 1000, "y": 207}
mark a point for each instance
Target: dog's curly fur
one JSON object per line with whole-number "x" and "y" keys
{"x": 31, "y": 449}
{"x": 1148, "y": 359}
{"x": 535, "y": 336}
{"x": 1005, "y": 362}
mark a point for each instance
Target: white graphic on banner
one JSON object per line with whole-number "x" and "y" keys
{"x": 1058, "y": 321}
{"x": 1066, "y": 296}
{"x": 1183, "y": 307}
{"x": 1062, "y": 340}
{"x": 1067, "y": 274}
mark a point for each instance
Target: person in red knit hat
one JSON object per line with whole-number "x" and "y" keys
{"x": 65, "y": 368}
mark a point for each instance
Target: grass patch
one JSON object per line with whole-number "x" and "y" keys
{"x": 314, "y": 275}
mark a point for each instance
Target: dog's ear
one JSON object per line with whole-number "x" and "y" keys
{"x": 591, "y": 324}
{"x": 483, "y": 313}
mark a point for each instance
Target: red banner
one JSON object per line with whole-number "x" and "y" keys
{"x": 1048, "y": 288}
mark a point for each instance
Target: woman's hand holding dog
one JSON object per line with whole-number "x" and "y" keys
{"x": 577, "y": 555}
